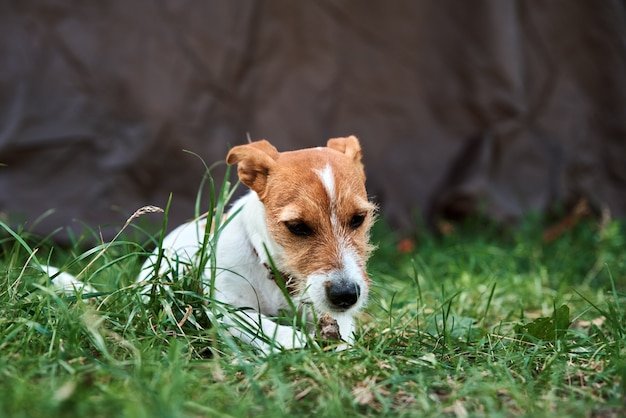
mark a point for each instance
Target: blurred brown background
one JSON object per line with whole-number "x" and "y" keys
{"x": 493, "y": 107}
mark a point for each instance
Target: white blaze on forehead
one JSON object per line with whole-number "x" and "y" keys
{"x": 328, "y": 180}
{"x": 327, "y": 177}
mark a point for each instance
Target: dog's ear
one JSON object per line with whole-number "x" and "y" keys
{"x": 349, "y": 146}
{"x": 254, "y": 162}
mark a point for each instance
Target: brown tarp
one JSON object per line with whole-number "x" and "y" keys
{"x": 497, "y": 107}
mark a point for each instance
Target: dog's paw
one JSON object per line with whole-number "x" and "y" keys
{"x": 289, "y": 339}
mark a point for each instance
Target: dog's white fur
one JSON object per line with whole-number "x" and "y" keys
{"x": 307, "y": 213}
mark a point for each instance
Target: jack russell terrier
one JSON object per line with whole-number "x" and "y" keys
{"x": 306, "y": 217}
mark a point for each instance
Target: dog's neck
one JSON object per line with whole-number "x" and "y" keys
{"x": 260, "y": 242}
{"x": 280, "y": 278}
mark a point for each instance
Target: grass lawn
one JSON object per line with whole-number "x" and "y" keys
{"x": 477, "y": 322}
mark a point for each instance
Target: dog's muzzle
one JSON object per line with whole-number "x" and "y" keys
{"x": 342, "y": 294}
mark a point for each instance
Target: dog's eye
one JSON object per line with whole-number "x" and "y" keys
{"x": 357, "y": 221}
{"x": 299, "y": 228}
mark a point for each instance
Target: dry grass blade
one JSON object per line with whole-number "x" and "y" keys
{"x": 138, "y": 213}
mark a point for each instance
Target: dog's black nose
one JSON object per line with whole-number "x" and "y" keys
{"x": 342, "y": 294}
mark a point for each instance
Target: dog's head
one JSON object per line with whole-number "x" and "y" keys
{"x": 317, "y": 216}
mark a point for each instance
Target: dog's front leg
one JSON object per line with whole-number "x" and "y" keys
{"x": 263, "y": 333}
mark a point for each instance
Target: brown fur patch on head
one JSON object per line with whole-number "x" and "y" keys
{"x": 291, "y": 188}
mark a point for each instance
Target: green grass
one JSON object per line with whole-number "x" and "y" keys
{"x": 479, "y": 322}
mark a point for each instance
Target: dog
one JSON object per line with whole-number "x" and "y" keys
{"x": 298, "y": 240}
